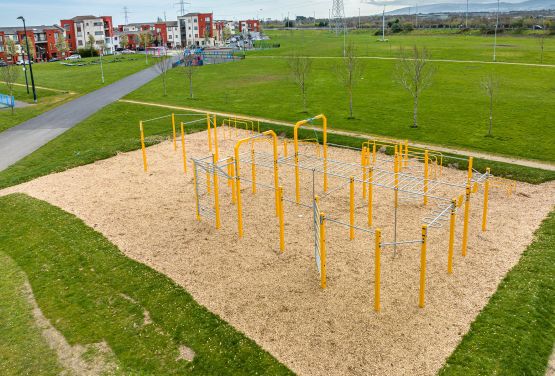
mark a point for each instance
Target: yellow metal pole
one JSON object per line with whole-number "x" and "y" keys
{"x": 253, "y": 168}
{"x": 374, "y": 153}
{"x": 238, "y": 193}
{"x": 370, "y": 198}
{"x": 196, "y": 191}
{"x": 216, "y": 138}
{"x": 451, "y": 236}
{"x": 396, "y": 171}
{"x": 281, "y": 224}
{"x": 352, "y": 208}
{"x": 323, "y": 250}
{"x": 216, "y": 193}
{"x": 183, "y": 149}
{"x": 466, "y": 214}
{"x": 426, "y": 172}
{"x": 233, "y": 186}
{"x": 296, "y": 145}
{"x": 406, "y": 153}
{"x": 363, "y": 163}
{"x": 174, "y": 136}
{"x": 377, "y": 270}
{"x": 208, "y": 131}
{"x": 470, "y": 160}
{"x": 486, "y": 194}
{"x": 229, "y": 172}
{"x": 143, "y": 148}
{"x": 423, "y": 265}
{"x": 285, "y": 147}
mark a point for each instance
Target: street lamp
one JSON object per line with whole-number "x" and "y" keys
{"x": 29, "y": 59}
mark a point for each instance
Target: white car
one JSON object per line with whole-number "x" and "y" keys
{"x": 127, "y": 52}
{"x": 73, "y": 57}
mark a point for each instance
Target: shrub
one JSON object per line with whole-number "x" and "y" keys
{"x": 86, "y": 52}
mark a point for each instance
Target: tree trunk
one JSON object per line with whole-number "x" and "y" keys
{"x": 304, "y": 100}
{"x": 415, "y": 114}
{"x": 191, "y": 87}
{"x": 164, "y": 83}
{"x": 490, "y": 115}
{"x": 350, "y": 104}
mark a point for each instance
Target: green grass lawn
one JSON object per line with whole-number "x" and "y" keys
{"x": 453, "y": 111}
{"x": 510, "y": 48}
{"x": 515, "y": 332}
{"x": 91, "y": 293}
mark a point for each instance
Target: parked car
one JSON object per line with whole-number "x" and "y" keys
{"x": 23, "y": 62}
{"x": 54, "y": 59}
{"x": 3, "y": 63}
{"x": 127, "y": 52}
{"x": 73, "y": 57}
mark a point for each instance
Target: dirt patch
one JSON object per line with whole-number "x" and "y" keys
{"x": 186, "y": 353}
{"x": 275, "y": 298}
{"x": 95, "y": 359}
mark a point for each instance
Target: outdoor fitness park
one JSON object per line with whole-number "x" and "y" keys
{"x": 389, "y": 193}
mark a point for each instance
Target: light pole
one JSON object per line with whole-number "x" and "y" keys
{"x": 495, "y": 35}
{"x": 29, "y": 59}
{"x": 25, "y": 71}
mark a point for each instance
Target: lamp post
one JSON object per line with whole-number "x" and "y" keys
{"x": 29, "y": 59}
{"x": 25, "y": 71}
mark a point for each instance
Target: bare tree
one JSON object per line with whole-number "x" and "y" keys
{"x": 9, "y": 75}
{"x": 300, "y": 67}
{"x": 490, "y": 84}
{"x": 189, "y": 71}
{"x": 541, "y": 42}
{"x": 415, "y": 74}
{"x": 349, "y": 71}
{"x": 145, "y": 39}
{"x": 163, "y": 66}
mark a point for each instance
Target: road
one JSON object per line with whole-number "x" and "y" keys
{"x": 20, "y": 141}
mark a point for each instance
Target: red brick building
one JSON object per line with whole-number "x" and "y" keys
{"x": 249, "y": 25}
{"x": 78, "y": 29}
{"x": 42, "y": 38}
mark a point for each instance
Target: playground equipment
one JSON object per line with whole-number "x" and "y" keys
{"x": 7, "y": 101}
{"x": 405, "y": 175}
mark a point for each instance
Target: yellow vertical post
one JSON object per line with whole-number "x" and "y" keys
{"x": 451, "y": 236}
{"x": 233, "y": 186}
{"x": 486, "y": 197}
{"x": 470, "y": 161}
{"x": 196, "y": 190}
{"x": 377, "y": 270}
{"x": 374, "y": 153}
{"x": 465, "y": 225}
{"x": 285, "y": 147}
{"x": 281, "y": 225}
{"x": 370, "y": 198}
{"x": 406, "y": 153}
{"x": 183, "y": 149}
{"x": 396, "y": 180}
{"x": 363, "y": 163}
{"x": 423, "y": 265}
{"x": 426, "y": 172}
{"x": 216, "y": 193}
{"x": 208, "y": 131}
{"x": 238, "y": 197}
{"x": 216, "y": 138}
{"x": 229, "y": 172}
{"x": 352, "y": 208}
{"x": 323, "y": 250}
{"x": 174, "y": 136}
{"x": 253, "y": 168}
{"x": 143, "y": 148}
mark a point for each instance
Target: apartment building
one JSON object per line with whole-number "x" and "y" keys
{"x": 78, "y": 29}
{"x": 248, "y": 26}
{"x": 42, "y": 38}
{"x": 197, "y": 29}
{"x": 163, "y": 33}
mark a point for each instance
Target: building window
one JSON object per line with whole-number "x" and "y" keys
{"x": 98, "y": 24}
{"x": 98, "y": 33}
{"x": 80, "y": 42}
{"x": 169, "y": 37}
{"x": 195, "y": 20}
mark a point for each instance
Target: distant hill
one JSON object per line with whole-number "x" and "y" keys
{"x": 477, "y": 7}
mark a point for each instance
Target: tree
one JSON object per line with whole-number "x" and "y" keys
{"x": 415, "y": 74}
{"x": 300, "y": 67}
{"x": 31, "y": 49}
{"x": 189, "y": 71}
{"x": 490, "y": 84}
{"x": 123, "y": 41}
{"x": 227, "y": 33}
{"x": 91, "y": 41}
{"x": 163, "y": 65}
{"x": 541, "y": 41}
{"x": 9, "y": 74}
{"x": 349, "y": 72}
{"x": 11, "y": 51}
{"x": 144, "y": 39}
{"x": 62, "y": 46}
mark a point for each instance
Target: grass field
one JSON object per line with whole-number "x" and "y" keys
{"x": 515, "y": 332}
{"x": 453, "y": 111}
{"x": 91, "y": 293}
{"x": 78, "y": 80}
{"x": 449, "y": 46}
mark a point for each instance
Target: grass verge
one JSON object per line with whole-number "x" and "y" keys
{"x": 115, "y": 129}
{"x": 515, "y": 332}
{"x": 91, "y": 293}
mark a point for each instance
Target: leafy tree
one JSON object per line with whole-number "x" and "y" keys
{"x": 415, "y": 74}
{"x": 62, "y": 45}
{"x": 227, "y": 33}
{"x": 189, "y": 70}
{"x": 123, "y": 41}
{"x": 31, "y": 49}
{"x": 11, "y": 51}
{"x": 9, "y": 75}
{"x": 300, "y": 67}
{"x": 90, "y": 42}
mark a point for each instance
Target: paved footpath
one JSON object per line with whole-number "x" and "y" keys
{"x": 20, "y": 141}
{"x": 475, "y": 154}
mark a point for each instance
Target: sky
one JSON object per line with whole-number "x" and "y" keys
{"x": 38, "y": 12}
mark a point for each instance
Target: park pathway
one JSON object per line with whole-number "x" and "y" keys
{"x": 476, "y": 154}
{"x": 20, "y": 141}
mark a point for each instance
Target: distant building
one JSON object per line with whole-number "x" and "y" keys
{"x": 79, "y": 28}
{"x": 197, "y": 29}
{"x": 43, "y": 38}
{"x": 163, "y": 33}
{"x": 248, "y": 26}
